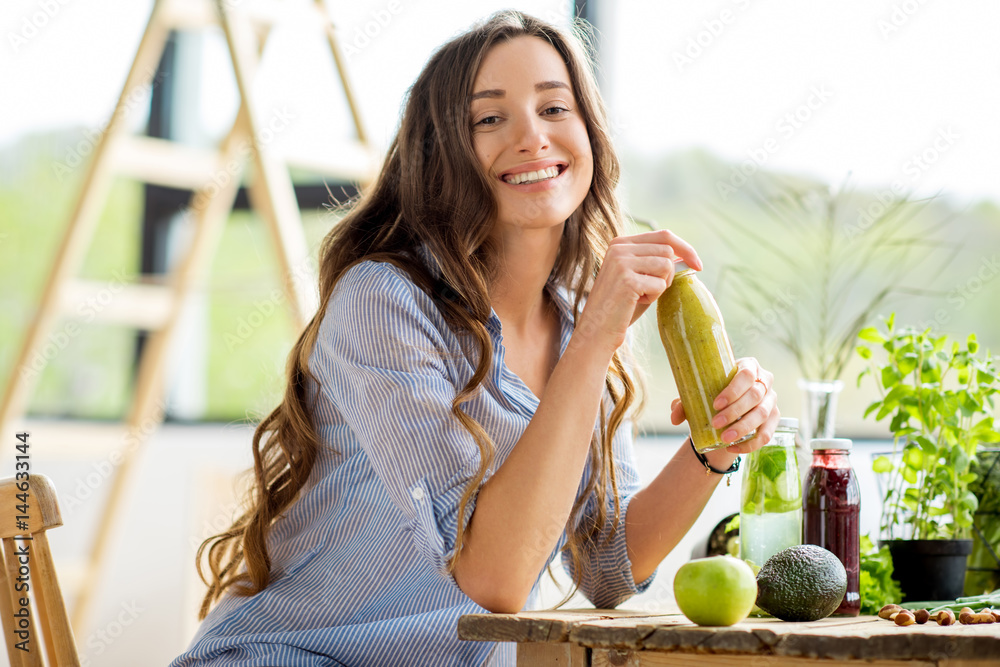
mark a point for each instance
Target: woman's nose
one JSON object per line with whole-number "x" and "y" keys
{"x": 531, "y": 135}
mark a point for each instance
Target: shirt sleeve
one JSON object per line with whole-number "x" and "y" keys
{"x": 381, "y": 360}
{"x": 607, "y": 578}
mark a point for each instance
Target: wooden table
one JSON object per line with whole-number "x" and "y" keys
{"x": 622, "y": 638}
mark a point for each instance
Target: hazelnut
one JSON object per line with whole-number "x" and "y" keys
{"x": 905, "y": 618}
{"x": 921, "y": 616}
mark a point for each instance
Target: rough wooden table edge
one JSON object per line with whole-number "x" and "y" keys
{"x": 596, "y": 629}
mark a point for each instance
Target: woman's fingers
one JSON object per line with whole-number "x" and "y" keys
{"x": 764, "y": 434}
{"x": 747, "y": 403}
{"x": 677, "y": 415}
{"x": 634, "y": 273}
{"x": 662, "y": 237}
{"x": 746, "y": 389}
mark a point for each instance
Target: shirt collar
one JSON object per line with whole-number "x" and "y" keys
{"x": 559, "y": 293}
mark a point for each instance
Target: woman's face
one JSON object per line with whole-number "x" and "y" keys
{"x": 529, "y": 134}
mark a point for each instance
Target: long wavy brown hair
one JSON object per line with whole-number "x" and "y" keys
{"x": 432, "y": 192}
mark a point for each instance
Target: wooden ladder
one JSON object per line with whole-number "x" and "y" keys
{"x": 155, "y": 304}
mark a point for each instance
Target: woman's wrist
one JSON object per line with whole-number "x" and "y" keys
{"x": 721, "y": 458}
{"x": 718, "y": 461}
{"x": 586, "y": 344}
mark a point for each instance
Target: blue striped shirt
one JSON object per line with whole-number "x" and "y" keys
{"x": 359, "y": 572}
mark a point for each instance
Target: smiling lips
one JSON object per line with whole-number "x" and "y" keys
{"x": 534, "y": 176}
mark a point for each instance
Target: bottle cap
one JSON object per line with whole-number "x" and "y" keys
{"x": 830, "y": 443}
{"x": 680, "y": 265}
{"x": 788, "y": 424}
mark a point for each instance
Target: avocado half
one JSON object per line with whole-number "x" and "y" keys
{"x": 801, "y": 583}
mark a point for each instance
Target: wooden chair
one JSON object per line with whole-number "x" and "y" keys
{"x": 31, "y": 602}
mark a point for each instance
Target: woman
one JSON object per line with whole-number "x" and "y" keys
{"x": 457, "y": 413}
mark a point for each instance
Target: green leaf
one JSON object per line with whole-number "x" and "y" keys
{"x": 970, "y": 502}
{"x": 892, "y": 399}
{"x": 899, "y": 424}
{"x": 906, "y": 361}
{"x": 914, "y": 457}
{"x": 969, "y": 405}
{"x": 958, "y": 459}
{"x": 930, "y": 373}
{"x": 882, "y": 464}
{"x": 871, "y": 334}
{"x": 910, "y": 475}
{"x": 972, "y": 344}
{"x": 928, "y": 447}
{"x": 890, "y": 377}
{"x": 864, "y": 352}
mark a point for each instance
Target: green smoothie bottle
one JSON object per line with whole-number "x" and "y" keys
{"x": 701, "y": 357}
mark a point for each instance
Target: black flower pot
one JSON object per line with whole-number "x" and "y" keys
{"x": 929, "y": 569}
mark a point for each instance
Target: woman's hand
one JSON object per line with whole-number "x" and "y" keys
{"x": 747, "y": 403}
{"x": 635, "y": 272}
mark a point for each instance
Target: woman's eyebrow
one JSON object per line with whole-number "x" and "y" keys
{"x": 539, "y": 87}
{"x": 549, "y": 85}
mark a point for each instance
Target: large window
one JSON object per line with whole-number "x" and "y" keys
{"x": 712, "y": 106}
{"x": 716, "y": 104}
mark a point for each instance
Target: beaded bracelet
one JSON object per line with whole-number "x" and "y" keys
{"x": 709, "y": 468}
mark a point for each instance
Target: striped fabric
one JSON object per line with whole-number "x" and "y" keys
{"x": 359, "y": 562}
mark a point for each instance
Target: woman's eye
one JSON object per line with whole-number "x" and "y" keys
{"x": 555, "y": 111}
{"x": 489, "y": 120}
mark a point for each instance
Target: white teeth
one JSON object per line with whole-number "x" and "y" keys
{"x": 532, "y": 176}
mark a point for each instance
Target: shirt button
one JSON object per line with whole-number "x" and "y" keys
{"x": 417, "y": 493}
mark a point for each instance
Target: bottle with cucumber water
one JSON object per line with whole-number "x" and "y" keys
{"x": 771, "y": 499}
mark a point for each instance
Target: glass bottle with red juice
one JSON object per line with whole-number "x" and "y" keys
{"x": 832, "y": 509}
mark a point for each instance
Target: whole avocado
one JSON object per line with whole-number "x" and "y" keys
{"x": 801, "y": 583}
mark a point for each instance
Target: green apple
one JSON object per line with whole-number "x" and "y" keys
{"x": 719, "y": 591}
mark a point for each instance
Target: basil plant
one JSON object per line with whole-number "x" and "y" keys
{"x": 939, "y": 399}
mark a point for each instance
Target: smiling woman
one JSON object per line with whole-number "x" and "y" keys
{"x": 458, "y": 413}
